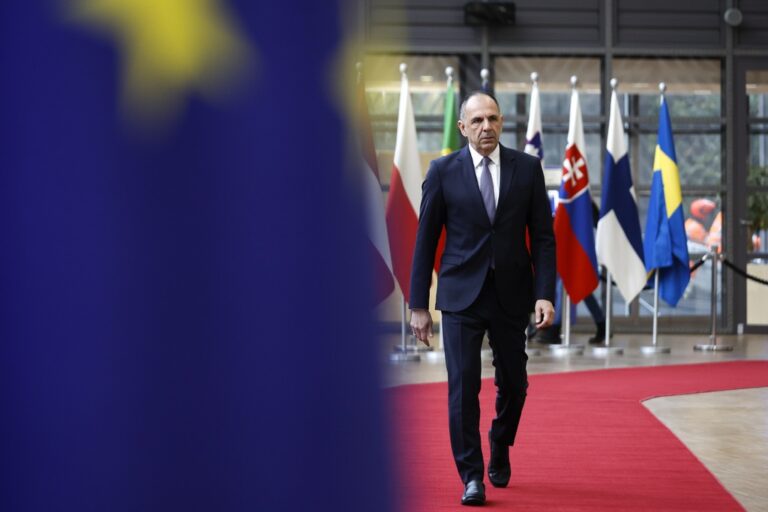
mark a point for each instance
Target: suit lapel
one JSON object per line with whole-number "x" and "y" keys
{"x": 507, "y": 158}
{"x": 470, "y": 182}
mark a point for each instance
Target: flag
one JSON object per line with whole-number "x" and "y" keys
{"x": 157, "y": 266}
{"x": 450, "y": 121}
{"x": 378, "y": 243}
{"x": 666, "y": 245}
{"x": 404, "y": 192}
{"x": 485, "y": 83}
{"x": 576, "y": 259}
{"x": 619, "y": 242}
{"x": 533, "y": 145}
{"x": 450, "y": 144}
{"x": 533, "y": 142}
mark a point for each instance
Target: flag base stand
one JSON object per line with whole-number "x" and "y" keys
{"x": 412, "y": 349}
{"x": 406, "y": 352}
{"x": 653, "y": 349}
{"x": 566, "y": 347}
{"x": 713, "y": 347}
{"x": 607, "y": 351}
{"x": 434, "y": 355}
{"x": 562, "y": 349}
{"x": 401, "y": 357}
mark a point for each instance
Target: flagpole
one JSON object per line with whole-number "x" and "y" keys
{"x": 402, "y": 354}
{"x": 566, "y": 347}
{"x": 539, "y": 153}
{"x": 608, "y": 308}
{"x": 607, "y": 349}
{"x": 445, "y": 150}
{"x": 567, "y": 321}
{"x": 655, "y": 348}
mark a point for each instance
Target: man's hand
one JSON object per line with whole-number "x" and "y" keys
{"x": 421, "y": 325}
{"x": 545, "y": 313}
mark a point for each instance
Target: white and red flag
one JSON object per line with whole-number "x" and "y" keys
{"x": 404, "y": 191}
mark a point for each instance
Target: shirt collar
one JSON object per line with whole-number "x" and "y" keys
{"x": 477, "y": 158}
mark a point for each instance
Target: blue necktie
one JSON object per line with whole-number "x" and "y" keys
{"x": 486, "y": 190}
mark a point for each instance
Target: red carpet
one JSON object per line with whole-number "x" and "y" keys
{"x": 585, "y": 442}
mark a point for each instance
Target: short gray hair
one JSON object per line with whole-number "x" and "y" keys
{"x": 463, "y": 107}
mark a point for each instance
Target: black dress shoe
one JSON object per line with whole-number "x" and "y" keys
{"x": 499, "y": 470}
{"x": 547, "y": 335}
{"x": 599, "y": 337}
{"x": 474, "y": 493}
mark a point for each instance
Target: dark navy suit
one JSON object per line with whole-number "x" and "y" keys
{"x": 475, "y": 298}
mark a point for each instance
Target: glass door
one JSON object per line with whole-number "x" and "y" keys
{"x": 751, "y": 193}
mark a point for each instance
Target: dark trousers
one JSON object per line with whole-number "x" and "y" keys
{"x": 463, "y": 336}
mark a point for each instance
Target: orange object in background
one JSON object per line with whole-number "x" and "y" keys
{"x": 715, "y": 236}
{"x": 701, "y": 208}
{"x": 696, "y": 225}
{"x": 695, "y": 231}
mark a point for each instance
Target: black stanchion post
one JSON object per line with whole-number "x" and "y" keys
{"x": 713, "y": 345}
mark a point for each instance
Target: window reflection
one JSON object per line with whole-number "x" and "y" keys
{"x": 427, "y": 82}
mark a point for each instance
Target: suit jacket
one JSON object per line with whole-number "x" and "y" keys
{"x": 451, "y": 198}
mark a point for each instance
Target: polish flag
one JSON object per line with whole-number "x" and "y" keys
{"x": 404, "y": 191}
{"x": 574, "y": 227}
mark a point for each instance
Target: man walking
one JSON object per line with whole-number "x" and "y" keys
{"x": 485, "y": 195}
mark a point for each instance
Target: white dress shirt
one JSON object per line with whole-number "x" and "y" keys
{"x": 494, "y": 166}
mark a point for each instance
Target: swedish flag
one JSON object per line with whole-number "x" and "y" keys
{"x": 665, "y": 246}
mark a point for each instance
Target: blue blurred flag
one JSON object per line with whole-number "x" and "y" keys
{"x": 181, "y": 323}
{"x": 666, "y": 245}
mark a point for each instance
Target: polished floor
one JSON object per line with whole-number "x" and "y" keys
{"x": 727, "y": 431}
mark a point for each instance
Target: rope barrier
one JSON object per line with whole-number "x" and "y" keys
{"x": 743, "y": 273}
{"x": 700, "y": 263}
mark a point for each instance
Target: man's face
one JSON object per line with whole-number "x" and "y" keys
{"x": 481, "y": 124}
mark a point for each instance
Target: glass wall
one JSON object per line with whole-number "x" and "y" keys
{"x": 756, "y": 221}
{"x": 427, "y": 82}
{"x": 693, "y": 93}
{"x": 513, "y": 86}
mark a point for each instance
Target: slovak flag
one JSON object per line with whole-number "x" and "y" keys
{"x": 533, "y": 145}
{"x": 576, "y": 259}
